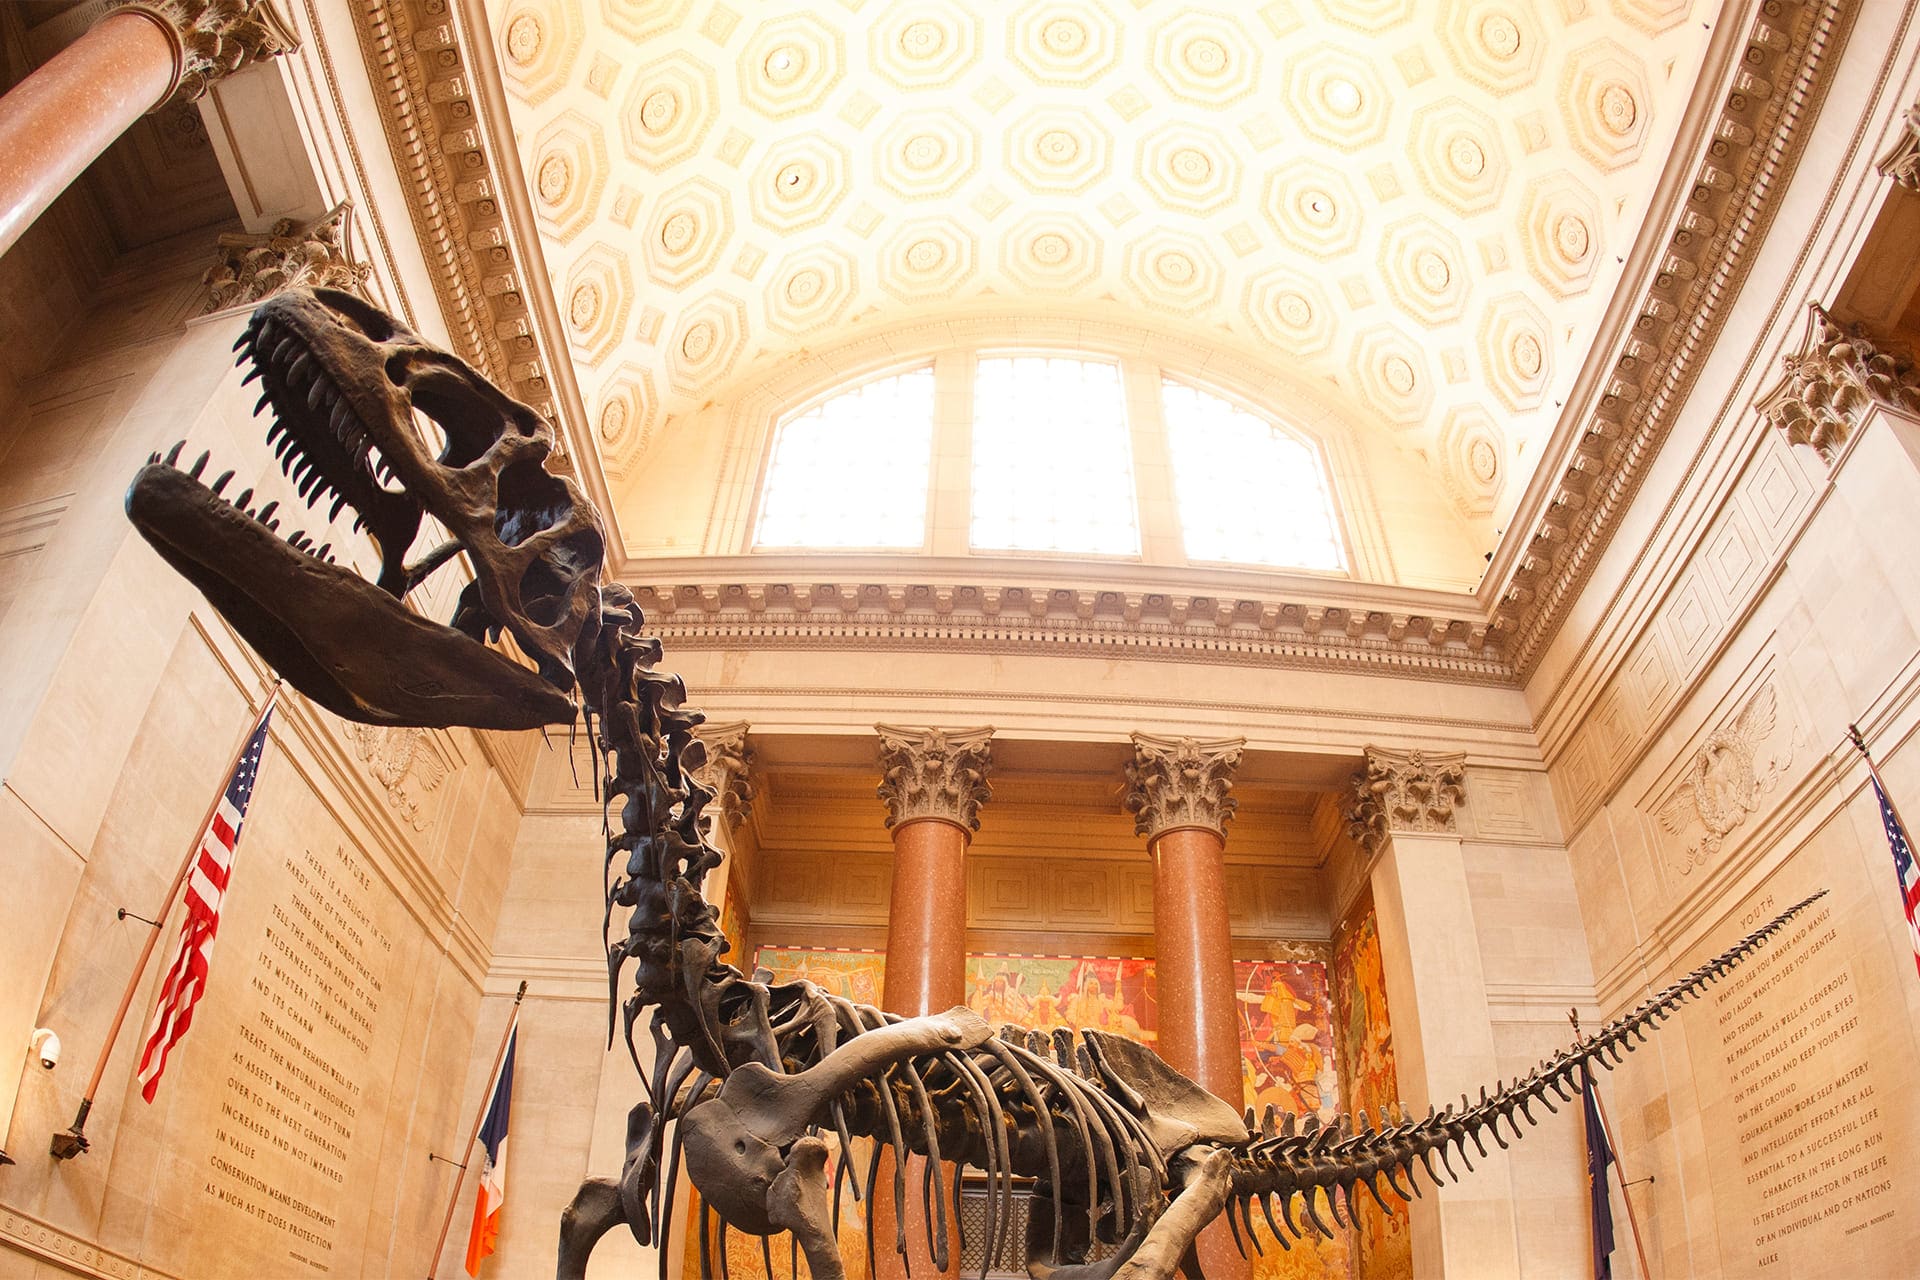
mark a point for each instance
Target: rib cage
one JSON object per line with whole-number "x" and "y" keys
{"x": 1095, "y": 1157}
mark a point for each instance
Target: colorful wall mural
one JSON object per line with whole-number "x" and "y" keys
{"x": 1365, "y": 1037}
{"x": 1292, "y": 1045}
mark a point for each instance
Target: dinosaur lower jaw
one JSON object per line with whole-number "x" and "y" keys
{"x": 343, "y": 642}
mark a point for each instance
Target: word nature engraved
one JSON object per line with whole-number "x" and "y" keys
{"x": 1812, "y": 1165}
{"x": 294, "y": 1087}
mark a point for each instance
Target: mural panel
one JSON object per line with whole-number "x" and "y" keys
{"x": 1365, "y": 1036}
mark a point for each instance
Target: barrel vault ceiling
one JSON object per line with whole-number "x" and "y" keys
{"x": 1417, "y": 209}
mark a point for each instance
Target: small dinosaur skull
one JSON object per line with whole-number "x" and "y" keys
{"x": 348, "y": 385}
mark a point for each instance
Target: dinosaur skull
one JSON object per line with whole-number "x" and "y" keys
{"x": 348, "y": 384}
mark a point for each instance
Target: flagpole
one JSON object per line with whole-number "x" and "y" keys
{"x": 1619, "y": 1175}
{"x": 1873, "y": 771}
{"x": 480, "y": 1118}
{"x": 72, "y": 1141}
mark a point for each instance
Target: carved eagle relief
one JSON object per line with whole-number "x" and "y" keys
{"x": 393, "y": 754}
{"x": 1723, "y": 784}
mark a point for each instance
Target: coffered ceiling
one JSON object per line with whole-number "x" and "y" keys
{"x": 1416, "y": 209}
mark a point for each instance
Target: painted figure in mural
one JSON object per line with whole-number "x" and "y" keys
{"x": 1124, "y": 1151}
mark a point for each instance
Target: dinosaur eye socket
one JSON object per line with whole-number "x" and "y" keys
{"x": 354, "y": 314}
{"x": 739, "y": 1147}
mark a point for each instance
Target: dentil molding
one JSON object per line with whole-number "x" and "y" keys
{"x": 1413, "y": 791}
{"x": 934, "y": 773}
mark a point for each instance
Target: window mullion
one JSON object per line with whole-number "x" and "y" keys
{"x": 949, "y": 498}
{"x": 1160, "y": 541}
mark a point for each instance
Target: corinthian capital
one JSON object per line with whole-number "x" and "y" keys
{"x": 212, "y": 39}
{"x": 934, "y": 773}
{"x": 1902, "y": 161}
{"x": 728, "y": 771}
{"x": 292, "y": 255}
{"x": 1832, "y": 382}
{"x": 1181, "y": 782}
{"x": 1405, "y": 791}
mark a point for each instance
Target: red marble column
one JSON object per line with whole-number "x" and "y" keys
{"x": 56, "y": 121}
{"x": 934, "y": 785}
{"x": 1178, "y": 793}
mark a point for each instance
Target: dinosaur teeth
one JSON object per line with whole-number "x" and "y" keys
{"x": 173, "y": 454}
{"x": 199, "y": 465}
{"x": 221, "y": 483}
{"x": 246, "y": 497}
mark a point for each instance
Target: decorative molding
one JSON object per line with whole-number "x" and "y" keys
{"x": 934, "y": 773}
{"x": 396, "y": 756}
{"x": 1902, "y": 161}
{"x": 428, "y": 108}
{"x": 1181, "y": 782}
{"x": 1178, "y": 626}
{"x": 728, "y": 770}
{"x": 1414, "y": 791}
{"x": 1833, "y": 381}
{"x": 1778, "y": 73}
{"x": 1740, "y": 762}
{"x": 212, "y": 39}
{"x": 39, "y": 1239}
{"x": 292, "y": 255}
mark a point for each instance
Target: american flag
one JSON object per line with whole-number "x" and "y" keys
{"x": 1902, "y": 864}
{"x": 186, "y": 978}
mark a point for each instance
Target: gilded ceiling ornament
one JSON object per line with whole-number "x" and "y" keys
{"x": 524, "y": 38}
{"x": 292, "y": 255}
{"x": 1834, "y": 380}
{"x": 935, "y": 773}
{"x": 1181, "y": 782}
{"x": 613, "y": 421}
{"x": 215, "y": 38}
{"x": 1726, "y": 778}
{"x": 1413, "y": 791}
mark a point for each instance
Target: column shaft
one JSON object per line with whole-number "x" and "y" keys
{"x": 927, "y": 919}
{"x": 55, "y": 122}
{"x": 1193, "y": 949}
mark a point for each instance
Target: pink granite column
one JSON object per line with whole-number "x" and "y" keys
{"x": 1178, "y": 793}
{"x": 55, "y": 122}
{"x": 935, "y": 782}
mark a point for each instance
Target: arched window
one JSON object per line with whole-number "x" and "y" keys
{"x": 1052, "y": 466}
{"x": 1248, "y": 492}
{"x": 852, "y": 470}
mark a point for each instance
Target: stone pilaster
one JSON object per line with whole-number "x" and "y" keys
{"x": 934, "y": 773}
{"x": 1836, "y": 378}
{"x": 1902, "y": 161}
{"x": 1415, "y": 791}
{"x": 1181, "y": 782}
{"x": 728, "y": 772}
{"x": 214, "y": 38}
{"x": 292, "y": 255}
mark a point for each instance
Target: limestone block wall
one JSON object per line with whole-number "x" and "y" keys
{"x": 290, "y": 1133}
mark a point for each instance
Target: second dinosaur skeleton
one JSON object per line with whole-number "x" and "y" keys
{"x": 1127, "y": 1159}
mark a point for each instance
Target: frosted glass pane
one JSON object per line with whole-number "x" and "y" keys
{"x": 1052, "y": 466}
{"x": 1248, "y": 492}
{"x": 852, "y": 472}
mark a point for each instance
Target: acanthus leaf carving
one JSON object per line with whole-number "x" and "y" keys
{"x": 216, "y": 38}
{"x": 1902, "y": 161}
{"x": 1834, "y": 380}
{"x": 1181, "y": 782}
{"x": 292, "y": 255}
{"x": 728, "y": 770}
{"x": 1416, "y": 791}
{"x": 934, "y": 773}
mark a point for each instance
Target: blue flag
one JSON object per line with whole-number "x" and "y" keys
{"x": 1599, "y": 1157}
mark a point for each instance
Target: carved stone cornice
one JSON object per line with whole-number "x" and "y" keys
{"x": 1902, "y": 160}
{"x": 1181, "y": 782}
{"x": 428, "y": 106}
{"x": 1232, "y": 629}
{"x": 728, "y": 770}
{"x": 291, "y": 255}
{"x": 1415, "y": 791}
{"x": 212, "y": 39}
{"x": 1773, "y": 81}
{"x": 1833, "y": 381}
{"x": 934, "y": 773}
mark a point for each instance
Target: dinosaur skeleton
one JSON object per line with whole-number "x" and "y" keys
{"x": 1127, "y": 1158}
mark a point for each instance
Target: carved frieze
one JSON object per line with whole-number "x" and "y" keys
{"x": 934, "y": 773}
{"x": 292, "y": 255}
{"x": 1416, "y": 791}
{"x": 1834, "y": 380}
{"x": 1902, "y": 160}
{"x": 216, "y": 38}
{"x": 1739, "y": 763}
{"x": 403, "y": 762}
{"x": 728, "y": 771}
{"x": 1181, "y": 782}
